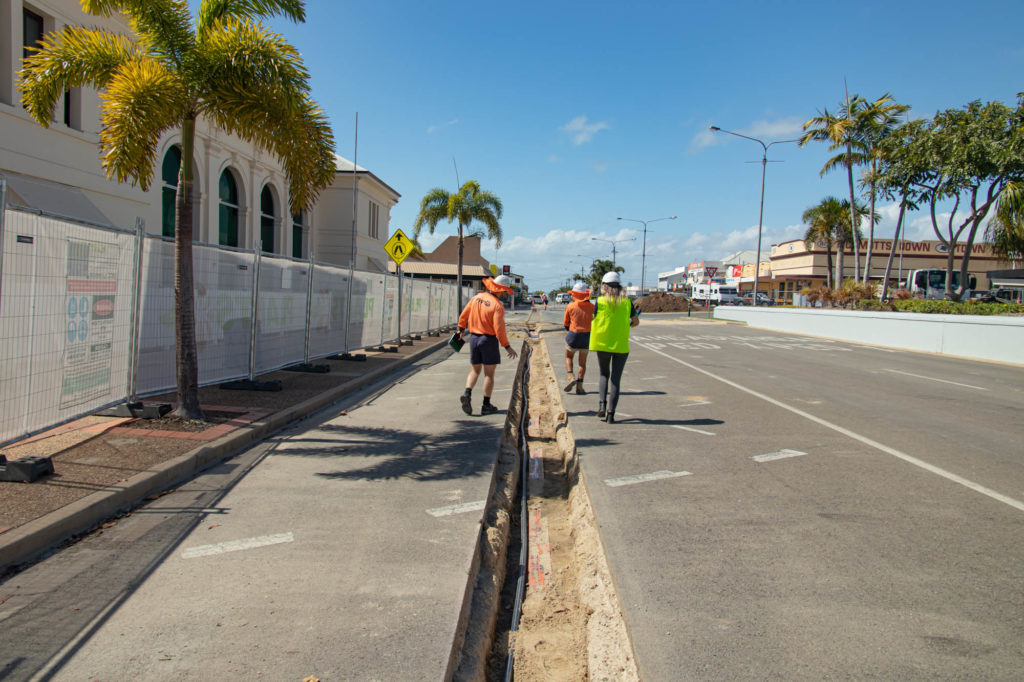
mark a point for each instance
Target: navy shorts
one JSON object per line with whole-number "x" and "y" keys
{"x": 484, "y": 350}
{"x": 578, "y": 340}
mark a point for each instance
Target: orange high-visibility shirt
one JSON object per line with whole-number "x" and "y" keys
{"x": 484, "y": 314}
{"x": 578, "y": 316}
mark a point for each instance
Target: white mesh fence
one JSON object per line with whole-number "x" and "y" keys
{"x": 65, "y": 320}
{"x": 67, "y": 325}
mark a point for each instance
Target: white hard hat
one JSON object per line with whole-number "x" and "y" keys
{"x": 503, "y": 280}
{"x": 581, "y": 288}
{"x": 611, "y": 277}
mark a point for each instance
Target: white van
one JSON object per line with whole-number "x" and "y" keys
{"x": 715, "y": 293}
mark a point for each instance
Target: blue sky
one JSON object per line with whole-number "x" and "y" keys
{"x": 577, "y": 113}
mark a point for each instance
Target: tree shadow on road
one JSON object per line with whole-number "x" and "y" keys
{"x": 378, "y": 453}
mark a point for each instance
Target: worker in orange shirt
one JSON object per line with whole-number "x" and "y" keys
{"x": 577, "y": 319}
{"x": 484, "y": 318}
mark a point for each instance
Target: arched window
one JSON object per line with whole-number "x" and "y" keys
{"x": 267, "y": 219}
{"x": 228, "y": 222}
{"x": 297, "y": 221}
{"x": 169, "y": 173}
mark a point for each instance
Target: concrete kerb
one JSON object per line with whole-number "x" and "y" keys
{"x": 30, "y": 540}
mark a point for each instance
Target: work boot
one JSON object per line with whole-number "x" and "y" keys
{"x": 467, "y": 404}
{"x": 600, "y": 412}
{"x": 610, "y": 418}
{"x": 568, "y": 386}
{"x": 488, "y": 408}
{"x": 579, "y": 387}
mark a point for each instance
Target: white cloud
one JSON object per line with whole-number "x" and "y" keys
{"x": 583, "y": 131}
{"x": 786, "y": 128}
{"x": 434, "y": 128}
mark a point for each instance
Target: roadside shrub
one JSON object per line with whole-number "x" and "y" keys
{"x": 915, "y": 305}
{"x": 901, "y": 295}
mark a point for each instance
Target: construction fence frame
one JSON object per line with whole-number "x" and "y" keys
{"x": 87, "y": 315}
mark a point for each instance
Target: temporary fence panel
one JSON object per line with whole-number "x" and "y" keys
{"x": 156, "y": 365}
{"x": 365, "y": 320}
{"x": 327, "y": 312}
{"x": 391, "y": 311}
{"x": 65, "y": 320}
{"x": 281, "y": 318}
{"x": 417, "y": 307}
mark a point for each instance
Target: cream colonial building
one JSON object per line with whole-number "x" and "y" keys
{"x": 241, "y": 192}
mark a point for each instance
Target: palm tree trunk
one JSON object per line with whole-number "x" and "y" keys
{"x": 871, "y": 225}
{"x": 853, "y": 215}
{"x": 186, "y": 357}
{"x": 458, "y": 273}
{"x": 892, "y": 251}
{"x": 840, "y": 248}
{"x": 828, "y": 267}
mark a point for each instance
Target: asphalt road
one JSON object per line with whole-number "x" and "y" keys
{"x": 785, "y": 507}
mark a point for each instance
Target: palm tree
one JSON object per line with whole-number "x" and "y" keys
{"x": 821, "y": 229}
{"x": 468, "y": 204}
{"x": 226, "y": 66}
{"x": 1006, "y": 227}
{"x": 877, "y": 121}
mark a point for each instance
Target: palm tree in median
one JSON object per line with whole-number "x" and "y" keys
{"x": 832, "y": 217}
{"x": 468, "y": 204}
{"x": 228, "y": 67}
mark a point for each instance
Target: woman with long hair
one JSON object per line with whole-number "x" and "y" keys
{"x": 614, "y": 315}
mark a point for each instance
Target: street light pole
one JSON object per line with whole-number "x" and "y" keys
{"x": 760, "y": 216}
{"x": 643, "y": 254}
{"x": 613, "y": 242}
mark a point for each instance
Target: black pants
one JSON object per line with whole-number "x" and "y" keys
{"x": 610, "y": 366}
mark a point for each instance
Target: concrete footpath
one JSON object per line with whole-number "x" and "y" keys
{"x": 340, "y": 548}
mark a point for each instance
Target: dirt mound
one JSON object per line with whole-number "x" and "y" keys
{"x": 661, "y": 302}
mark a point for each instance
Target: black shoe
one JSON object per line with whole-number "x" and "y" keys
{"x": 600, "y": 412}
{"x": 568, "y": 386}
{"x": 488, "y": 408}
{"x": 610, "y": 418}
{"x": 579, "y": 388}
{"x": 467, "y": 405}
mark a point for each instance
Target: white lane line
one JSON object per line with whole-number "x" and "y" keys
{"x": 652, "y": 378}
{"x": 698, "y": 402}
{"x": 920, "y": 376}
{"x": 675, "y": 426}
{"x": 690, "y": 428}
{"x": 781, "y": 454}
{"x": 237, "y": 545}
{"x": 453, "y": 509}
{"x": 643, "y": 478}
{"x": 949, "y": 475}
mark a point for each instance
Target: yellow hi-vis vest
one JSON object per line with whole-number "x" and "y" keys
{"x": 610, "y": 329}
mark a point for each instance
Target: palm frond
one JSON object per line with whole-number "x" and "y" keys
{"x": 164, "y": 27}
{"x": 247, "y": 55}
{"x": 433, "y": 209}
{"x": 212, "y": 12}
{"x": 70, "y": 58}
{"x": 142, "y": 100}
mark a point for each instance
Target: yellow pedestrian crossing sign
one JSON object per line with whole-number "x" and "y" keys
{"x": 398, "y": 247}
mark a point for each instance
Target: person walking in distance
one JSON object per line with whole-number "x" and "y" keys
{"x": 577, "y": 320}
{"x": 484, "y": 318}
{"x": 544, "y": 300}
{"x": 614, "y": 315}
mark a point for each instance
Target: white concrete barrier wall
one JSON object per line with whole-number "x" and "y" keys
{"x": 999, "y": 337}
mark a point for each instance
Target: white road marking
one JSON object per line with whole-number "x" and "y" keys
{"x": 690, "y": 428}
{"x": 781, "y": 454}
{"x": 643, "y": 478}
{"x": 652, "y": 378}
{"x": 884, "y": 350}
{"x": 453, "y": 509}
{"x": 1016, "y": 504}
{"x": 698, "y": 402}
{"x": 237, "y": 545}
{"x": 919, "y": 376}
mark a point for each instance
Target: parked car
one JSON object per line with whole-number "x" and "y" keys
{"x": 564, "y": 297}
{"x": 762, "y": 299}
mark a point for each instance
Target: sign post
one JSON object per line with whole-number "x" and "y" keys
{"x": 398, "y": 247}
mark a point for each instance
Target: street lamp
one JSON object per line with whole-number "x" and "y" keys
{"x": 613, "y": 242}
{"x": 643, "y": 254}
{"x": 760, "y": 216}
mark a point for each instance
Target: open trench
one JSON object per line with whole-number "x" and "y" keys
{"x": 554, "y": 616}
